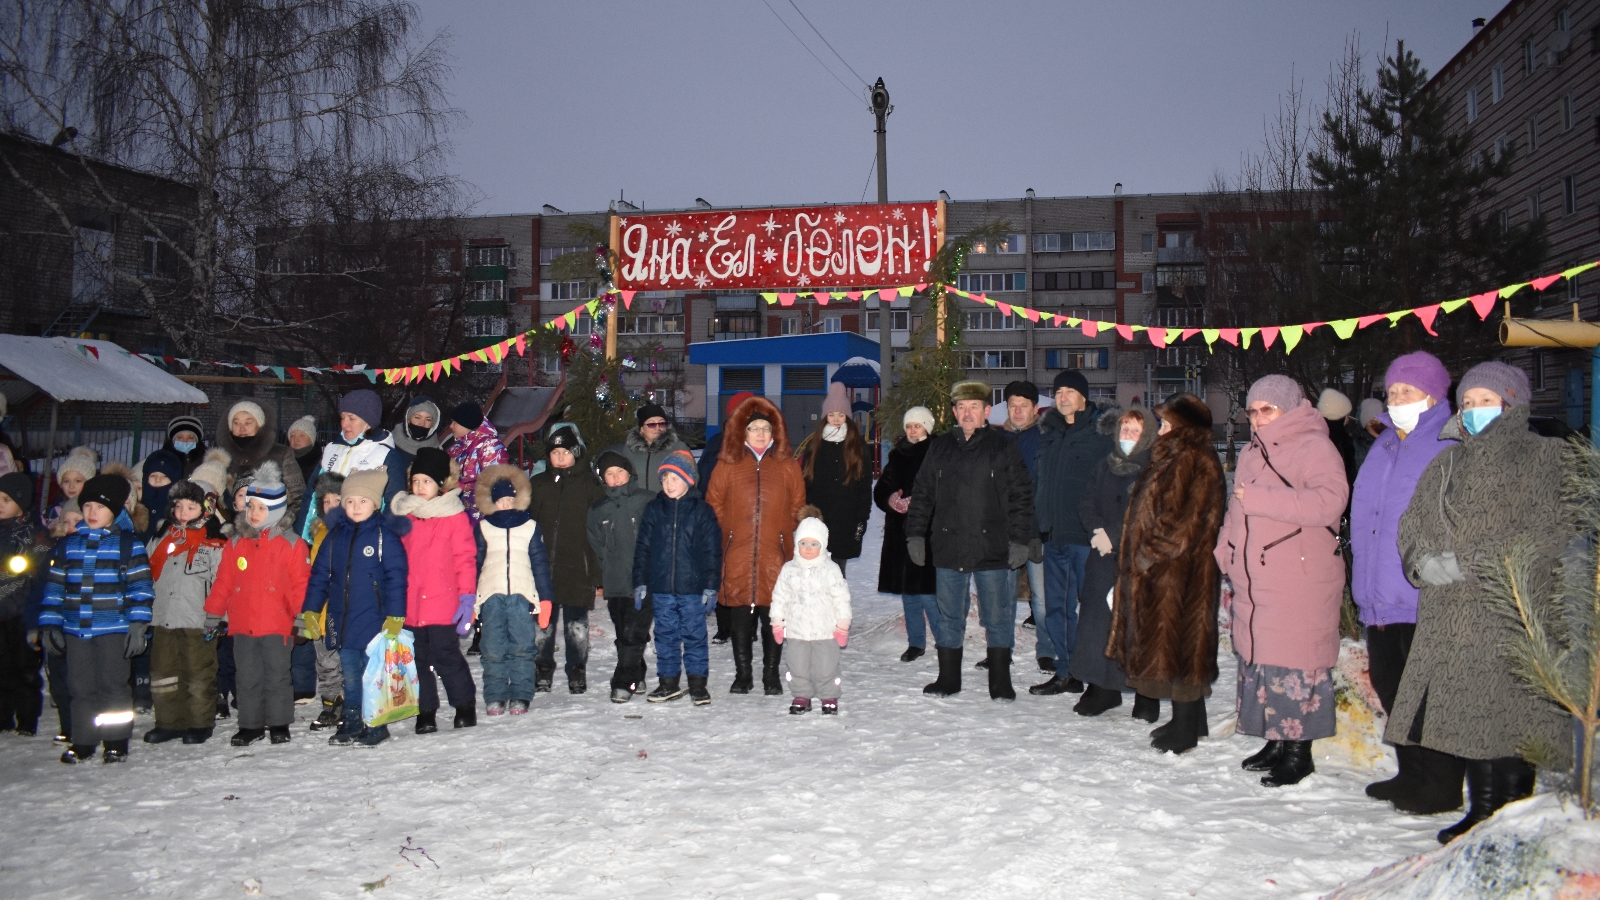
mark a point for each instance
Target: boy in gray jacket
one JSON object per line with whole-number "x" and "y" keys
{"x": 183, "y": 661}
{"x": 613, "y": 533}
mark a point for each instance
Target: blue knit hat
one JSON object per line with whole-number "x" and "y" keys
{"x": 681, "y": 464}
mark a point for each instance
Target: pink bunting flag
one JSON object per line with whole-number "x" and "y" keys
{"x": 1231, "y": 335}
{"x": 1364, "y": 321}
{"x": 1269, "y": 334}
{"x": 1484, "y": 303}
{"x": 1427, "y": 314}
{"x": 1005, "y": 308}
{"x": 1312, "y": 326}
{"x": 1126, "y": 331}
{"x": 1188, "y": 333}
{"x": 785, "y": 299}
{"x": 821, "y": 297}
{"x": 920, "y": 287}
{"x": 1158, "y": 338}
{"x": 1540, "y": 284}
{"x": 627, "y": 299}
{"x": 886, "y": 295}
{"x": 853, "y": 295}
{"x": 522, "y": 344}
{"x": 1090, "y": 328}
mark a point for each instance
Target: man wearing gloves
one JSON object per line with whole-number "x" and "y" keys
{"x": 973, "y": 501}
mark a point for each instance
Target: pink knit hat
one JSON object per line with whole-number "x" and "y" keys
{"x": 838, "y": 399}
{"x": 1280, "y": 390}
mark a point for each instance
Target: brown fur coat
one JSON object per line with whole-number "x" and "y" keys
{"x": 756, "y": 503}
{"x": 1164, "y": 618}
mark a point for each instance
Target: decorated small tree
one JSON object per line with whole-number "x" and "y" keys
{"x": 1556, "y": 648}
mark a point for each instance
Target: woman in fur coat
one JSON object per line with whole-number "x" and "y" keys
{"x": 1164, "y": 614}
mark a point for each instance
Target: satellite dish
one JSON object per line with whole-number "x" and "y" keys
{"x": 1559, "y": 41}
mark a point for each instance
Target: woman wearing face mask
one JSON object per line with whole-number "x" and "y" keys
{"x": 1498, "y": 483}
{"x": 1103, "y": 508}
{"x": 897, "y": 574}
{"x": 838, "y": 470}
{"x": 1418, "y": 387}
{"x": 185, "y": 440}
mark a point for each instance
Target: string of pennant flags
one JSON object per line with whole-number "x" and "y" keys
{"x": 1159, "y": 336}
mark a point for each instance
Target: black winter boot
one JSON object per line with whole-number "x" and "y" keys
{"x": 697, "y": 690}
{"x": 668, "y": 689}
{"x": 78, "y": 753}
{"x": 1057, "y": 684}
{"x": 162, "y": 735}
{"x": 1146, "y": 709}
{"x": 577, "y": 681}
{"x": 244, "y": 737}
{"x": 197, "y": 735}
{"x": 278, "y": 734}
{"x": 949, "y": 681}
{"x": 1264, "y": 759}
{"x": 332, "y": 714}
{"x": 1184, "y": 731}
{"x": 1513, "y": 780}
{"x": 1097, "y": 700}
{"x": 1435, "y": 785}
{"x": 621, "y": 695}
{"x": 222, "y": 707}
{"x": 911, "y": 654}
{"x": 1480, "y": 796}
{"x": 1294, "y": 764}
{"x": 114, "y": 752}
{"x": 771, "y": 655}
{"x": 1000, "y": 674}
{"x": 1410, "y": 770}
{"x": 543, "y": 679}
{"x": 466, "y": 716}
{"x": 742, "y": 630}
{"x": 428, "y": 721}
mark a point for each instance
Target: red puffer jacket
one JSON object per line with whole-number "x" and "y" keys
{"x": 262, "y": 581}
{"x": 441, "y": 557}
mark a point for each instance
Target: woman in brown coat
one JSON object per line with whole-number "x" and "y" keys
{"x": 1164, "y": 615}
{"x": 756, "y": 491}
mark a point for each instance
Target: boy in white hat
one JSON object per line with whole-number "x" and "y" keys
{"x": 811, "y": 611}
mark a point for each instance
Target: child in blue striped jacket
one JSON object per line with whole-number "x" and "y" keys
{"x": 96, "y": 611}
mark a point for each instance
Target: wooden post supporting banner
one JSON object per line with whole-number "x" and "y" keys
{"x": 612, "y": 321}
{"x": 939, "y": 308}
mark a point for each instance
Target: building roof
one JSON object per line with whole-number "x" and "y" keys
{"x": 98, "y": 371}
{"x": 833, "y": 347}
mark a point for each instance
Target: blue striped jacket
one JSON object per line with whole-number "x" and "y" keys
{"x": 87, "y": 593}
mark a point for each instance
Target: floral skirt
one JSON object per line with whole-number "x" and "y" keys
{"x": 1281, "y": 704}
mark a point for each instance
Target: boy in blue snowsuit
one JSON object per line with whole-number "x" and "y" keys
{"x": 678, "y": 562}
{"x": 359, "y": 575}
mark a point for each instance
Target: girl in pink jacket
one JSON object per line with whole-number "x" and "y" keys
{"x": 1279, "y": 547}
{"x": 441, "y": 585}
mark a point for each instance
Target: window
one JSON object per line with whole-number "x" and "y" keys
{"x": 1563, "y": 21}
{"x": 1505, "y": 220}
{"x": 583, "y": 325}
{"x": 1538, "y": 370}
{"x": 1179, "y": 317}
{"x": 480, "y": 291}
{"x": 1074, "y": 281}
{"x": 1568, "y": 117}
{"x": 1147, "y": 243}
{"x": 995, "y": 359}
{"x": 830, "y": 325}
{"x": 1502, "y": 146}
{"x": 548, "y": 254}
{"x": 991, "y": 320}
{"x": 1530, "y": 60}
{"x": 1047, "y": 243}
{"x": 1093, "y": 313}
{"x": 1472, "y": 105}
{"x": 484, "y": 326}
{"x": 1092, "y": 358}
{"x": 734, "y": 326}
{"x": 1177, "y": 239}
{"x": 1147, "y": 282}
{"x": 573, "y": 290}
{"x": 155, "y": 261}
{"x": 1534, "y": 212}
{"x": 1094, "y": 240}
{"x": 1179, "y": 356}
{"x": 1011, "y": 244}
{"x": 443, "y": 262}
{"x": 491, "y": 256}
{"x": 899, "y": 320}
{"x": 1533, "y": 134}
{"x": 1569, "y": 195}
{"x": 1573, "y": 292}
{"x": 650, "y": 324}
{"x": 1497, "y": 83}
{"x": 791, "y": 325}
{"x": 986, "y": 282}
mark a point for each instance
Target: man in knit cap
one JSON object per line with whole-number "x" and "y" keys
{"x": 648, "y": 444}
{"x": 973, "y": 502}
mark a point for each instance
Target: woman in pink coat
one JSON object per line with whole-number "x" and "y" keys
{"x": 1279, "y": 547}
{"x": 441, "y": 585}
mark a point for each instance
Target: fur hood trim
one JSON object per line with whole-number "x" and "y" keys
{"x": 733, "y": 434}
{"x": 483, "y": 492}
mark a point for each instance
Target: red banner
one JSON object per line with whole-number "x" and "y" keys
{"x": 799, "y": 247}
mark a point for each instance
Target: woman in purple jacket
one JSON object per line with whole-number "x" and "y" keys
{"x": 1419, "y": 390}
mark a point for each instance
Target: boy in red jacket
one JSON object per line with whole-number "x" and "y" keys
{"x": 441, "y": 586}
{"x": 260, "y": 588}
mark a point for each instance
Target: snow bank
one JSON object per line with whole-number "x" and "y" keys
{"x": 1541, "y": 847}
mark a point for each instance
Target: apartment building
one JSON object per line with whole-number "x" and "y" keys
{"x": 1530, "y": 76}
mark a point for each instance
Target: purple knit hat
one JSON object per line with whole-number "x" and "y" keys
{"x": 1510, "y": 382}
{"x": 1280, "y": 390}
{"x": 1423, "y": 371}
{"x": 838, "y": 399}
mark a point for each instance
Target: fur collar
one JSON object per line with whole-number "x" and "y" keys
{"x": 636, "y": 442}
{"x": 446, "y": 504}
{"x": 284, "y": 529}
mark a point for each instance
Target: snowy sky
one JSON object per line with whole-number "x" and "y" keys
{"x": 571, "y": 103}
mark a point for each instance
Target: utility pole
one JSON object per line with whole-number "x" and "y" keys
{"x": 880, "y": 111}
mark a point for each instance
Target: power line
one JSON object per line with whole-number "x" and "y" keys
{"x": 808, "y": 49}
{"x": 830, "y": 47}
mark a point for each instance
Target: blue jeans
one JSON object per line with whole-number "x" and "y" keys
{"x": 1036, "y": 606}
{"x": 1063, "y": 580}
{"x": 681, "y": 636}
{"x": 353, "y": 660}
{"x": 997, "y": 601}
{"x": 922, "y": 614}
{"x": 506, "y": 642}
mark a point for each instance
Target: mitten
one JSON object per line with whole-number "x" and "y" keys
{"x": 708, "y": 599}
{"x": 392, "y": 626}
{"x": 138, "y": 639}
{"x": 546, "y": 610}
{"x": 917, "y": 552}
{"x": 52, "y": 639}
{"x": 211, "y": 626}
{"x": 463, "y": 619}
{"x": 309, "y": 626}
{"x": 777, "y": 632}
{"x": 1016, "y": 555}
{"x": 639, "y": 593}
{"x": 841, "y": 636}
{"x": 861, "y": 529}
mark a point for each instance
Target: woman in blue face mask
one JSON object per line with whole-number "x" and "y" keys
{"x": 1500, "y": 482}
{"x": 186, "y": 440}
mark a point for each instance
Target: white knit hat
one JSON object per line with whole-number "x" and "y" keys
{"x": 245, "y": 406}
{"x": 1370, "y": 408}
{"x": 812, "y": 528}
{"x": 82, "y": 460}
{"x": 919, "y": 415}
{"x": 307, "y": 426}
{"x": 1333, "y": 405}
{"x": 212, "y": 473}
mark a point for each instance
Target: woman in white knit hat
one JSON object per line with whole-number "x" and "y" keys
{"x": 897, "y": 574}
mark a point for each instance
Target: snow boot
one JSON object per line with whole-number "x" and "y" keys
{"x": 1410, "y": 770}
{"x": 332, "y": 714}
{"x": 197, "y": 735}
{"x": 1074, "y": 686}
{"x": 495, "y": 708}
{"x": 372, "y": 737}
{"x": 800, "y": 706}
{"x": 697, "y": 690}
{"x": 244, "y": 737}
{"x": 1294, "y": 764}
{"x": 912, "y": 653}
{"x": 159, "y": 735}
{"x": 115, "y": 752}
{"x": 466, "y": 717}
{"x": 543, "y": 680}
{"x": 577, "y": 681}
{"x": 1480, "y": 796}
{"x": 1435, "y": 786}
{"x": 949, "y": 681}
{"x": 1028, "y": 622}
{"x": 982, "y": 663}
{"x": 77, "y": 753}
{"x": 1184, "y": 731}
{"x": 1056, "y": 685}
{"x": 1160, "y": 730}
{"x": 519, "y": 707}
{"x": 771, "y": 656}
{"x": 1000, "y": 674}
{"x": 1265, "y": 759}
{"x": 1146, "y": 709}
{"x": 427, "y": 721}
{"x": 621, "y": 695}
{"x": 742, "y": 627}
{"x": 830, "y": 707}
{"x": 348, "y": 729}
{"x": 278, "y": 734}
{"x": 1097, "y": 700}
{"x": 477, "y": 639}
{"x": 222, "y": 707}
{"x": 667, "y": 689}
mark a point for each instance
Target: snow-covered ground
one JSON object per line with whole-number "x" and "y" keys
{"x": 901, "y": 795}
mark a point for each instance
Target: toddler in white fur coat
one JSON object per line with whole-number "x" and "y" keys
{"x": 811, "y": 617}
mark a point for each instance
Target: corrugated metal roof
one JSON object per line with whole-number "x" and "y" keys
{"x": 76, "y": 369}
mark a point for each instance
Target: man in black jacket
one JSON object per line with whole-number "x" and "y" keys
{"x": 973, "y": 501}
{"x": 1070, "y": 445}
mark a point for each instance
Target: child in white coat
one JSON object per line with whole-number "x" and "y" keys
{"x": 811, "y": 611}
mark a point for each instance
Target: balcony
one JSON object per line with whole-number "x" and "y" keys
{"x": 1179, "y": 256}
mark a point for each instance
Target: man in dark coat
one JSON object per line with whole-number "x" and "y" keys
{"x": 973, "y": 502}
{"x": 647, "y": 446}
{"x": 562, "y": 495}
{"x": 1022, "y": 426}
{"x": 1070, "y": 446}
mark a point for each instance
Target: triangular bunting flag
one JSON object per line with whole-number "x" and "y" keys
{"x": 785, "y": 299}
{"x": 1158, "y": 337}
{"x": 886, "y": 295}
{"x": 1484, "y": 303}
{"x": 1245, "y": 334}
{"x": 1211, "y": 335}
{"x": 1344, "y": 328}
{"x": 522, "y": 344}
{"x": 627, "y": 299}
{"x": 1268, "y": 335}
{"x": 372, "y": 375}
{"x": 1540, "y": 284}
{"x": 821, "y": 297}
{"x": 770, "y": 296}
{"x": 1005, "y": 308}
{"x": 1364, "y": 321}
{"x": 1126, "y": 331}
{"x": 1427, "y": 314}
{"x": 1186, "y": 333}
{"x": 853, "y": 295}
{"x": 1291, "y": 336}
{"x": 1090, "y": 327}
{"x": 1510, "y": 289}
{"x": 431, "y": 374}
{"x": 278, "y": 371}
{"x": 1395, "y": 317}
{"x": 572, "y": 319}
{"x": 905, "y": 291}
{"x": 1032, "y": 315}
{"x": 591, "y": 306}
{"x": 1451, "y": 306}
{"x": 920, "y": 287}
{"x": 1576, "y": 270}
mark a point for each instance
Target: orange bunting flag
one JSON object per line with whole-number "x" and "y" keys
{"x": 522, "y": 344}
